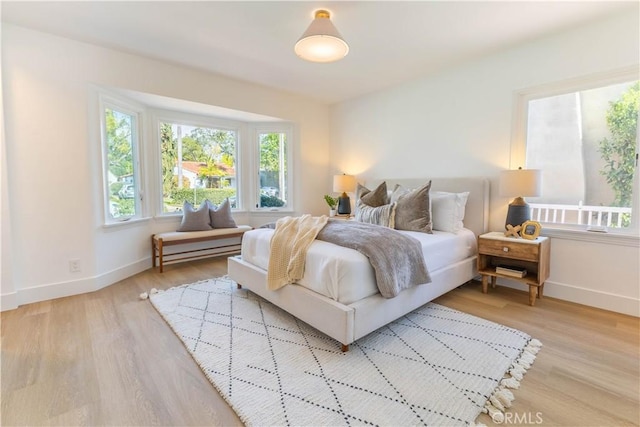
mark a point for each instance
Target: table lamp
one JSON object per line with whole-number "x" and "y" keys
{"x": 520, "y": 183}
{"x": 343, "y": 184}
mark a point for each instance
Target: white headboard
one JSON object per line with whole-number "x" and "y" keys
{"x": 476, "y": 216}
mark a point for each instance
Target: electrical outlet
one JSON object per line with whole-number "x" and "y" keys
{"x": 74, "y": 266}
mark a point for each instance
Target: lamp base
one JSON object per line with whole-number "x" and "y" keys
{"x": 518, "y": 213}
{"x": 344, "y": 204}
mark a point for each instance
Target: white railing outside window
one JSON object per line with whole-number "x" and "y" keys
{"x": 580, "y": 214}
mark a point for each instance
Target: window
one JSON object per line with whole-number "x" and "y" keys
{"x": 122, "y": 189}
{"x": 583, "y": 137}
{"x": 273, "y": 172}
{"x": 197, "y": 163}
{"x": 185, "y": 156}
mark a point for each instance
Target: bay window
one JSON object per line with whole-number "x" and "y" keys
{"x": 187, "y": 157}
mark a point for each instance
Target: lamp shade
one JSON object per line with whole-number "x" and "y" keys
{"x": 321, "y": 42}
{"x": 521, "y": 182}
{"x": 344, "y": 183}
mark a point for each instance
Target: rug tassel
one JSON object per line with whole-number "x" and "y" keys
{"x": 496, "y": 402}
{"x": 524, "y": 362}
{"x": 505, "y": 397}
{"x": 146, "y": 295}
{"x": 510, "y": 383}
{"x": 492, "y": 410}
{"x": 517, "y": 372}
{"x": 502, "y": 397}
{"x": 535, "y": 343}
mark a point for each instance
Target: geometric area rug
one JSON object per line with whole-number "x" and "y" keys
{"x": 434, "y": 366}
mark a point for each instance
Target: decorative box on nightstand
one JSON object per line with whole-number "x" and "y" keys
{"x": 510, "y": 255}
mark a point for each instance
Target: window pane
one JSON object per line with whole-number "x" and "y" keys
{"x": 198, "y": 163}
{"x": 121, "y": 185}
{"x": 273, "y": 170}
{"x": 585, "y": 144}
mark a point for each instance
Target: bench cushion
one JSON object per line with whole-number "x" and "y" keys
{"x": 186, "y": 235}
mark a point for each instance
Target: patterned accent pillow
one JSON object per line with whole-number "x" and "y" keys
{"x": 221, "y": 215}
{"x": 413, "y": 210}
{"x": 380, "y": 215}
{"x": 195, "y": 220}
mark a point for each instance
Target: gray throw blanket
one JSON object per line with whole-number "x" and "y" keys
{"x": 396, "y": 258}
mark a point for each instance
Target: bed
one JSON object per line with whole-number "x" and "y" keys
{"x": 324, "y": 299}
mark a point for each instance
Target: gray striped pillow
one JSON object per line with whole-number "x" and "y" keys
{"x": 381, "y": 215}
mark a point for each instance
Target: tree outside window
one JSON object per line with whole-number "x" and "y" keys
{"x": 120, "y": 156}
{"x": 619, "y": 150}
{"x": 198, "y": 163}
{"x": 273, "y": 169}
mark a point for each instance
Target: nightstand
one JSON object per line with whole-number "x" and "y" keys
{"x": 494, "y": 249}
{"x": 344, "y": 217}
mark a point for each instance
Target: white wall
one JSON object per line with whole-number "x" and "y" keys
{"x": 8, "y": 295}
{"x": 458, "y": 123}
{"x": 53, "y": 201}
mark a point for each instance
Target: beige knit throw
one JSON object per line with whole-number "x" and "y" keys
{"x": 289, "y": 245}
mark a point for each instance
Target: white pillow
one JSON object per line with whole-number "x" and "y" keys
{"x": 447, "y": 210}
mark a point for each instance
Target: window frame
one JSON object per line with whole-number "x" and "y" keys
{"x": 195, "y": 120}
{"x": 517, "y": 156}
{"x": 262, "y": 128}
{"x": 136, "y": 112}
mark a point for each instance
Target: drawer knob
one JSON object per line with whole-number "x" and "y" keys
{"x": 505, "y": 249}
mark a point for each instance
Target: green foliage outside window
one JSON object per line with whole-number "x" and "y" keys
{"x": 197, "y": 195}
{"x": 119, "y": 142}
{"x": 213, "y": 150}
{"x": 270, "y": 152}
{"x": 169, "y": 148}
{"x": 619, "y": 151}
{"x": 270, "y": 201}
{"x": 119, "y": 128}
{"x": 273, "y": 169}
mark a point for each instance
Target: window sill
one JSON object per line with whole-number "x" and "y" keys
{"x": 125, "y": 223}
{"x": 271, "y": 211}
{"x": 611, "y": 237}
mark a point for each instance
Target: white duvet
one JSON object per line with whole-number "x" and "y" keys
{"x": 346, "y": 275}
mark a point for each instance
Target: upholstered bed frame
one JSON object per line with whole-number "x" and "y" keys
{"x": 347, "y": 323}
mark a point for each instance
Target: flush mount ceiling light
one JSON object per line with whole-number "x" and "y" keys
{"x": 321, "y": 42}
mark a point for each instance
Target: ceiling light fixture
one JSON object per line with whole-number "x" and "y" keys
{"x": 321, "y": 42}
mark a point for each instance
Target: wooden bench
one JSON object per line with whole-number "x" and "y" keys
{"x": 171, "y": 238}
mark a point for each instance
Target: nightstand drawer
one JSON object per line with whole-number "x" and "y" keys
{"x": 521, "y": 251}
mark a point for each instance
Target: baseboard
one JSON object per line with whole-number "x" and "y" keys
{"x": 74, "y": 287}
{"x": 592, "y": 298}
{"x": 51, "y": 291}
{"x": 8, "y": 301}
{"x": 121, "y": 273}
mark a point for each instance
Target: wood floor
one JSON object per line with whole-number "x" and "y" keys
{"x": 108, "y": 358}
